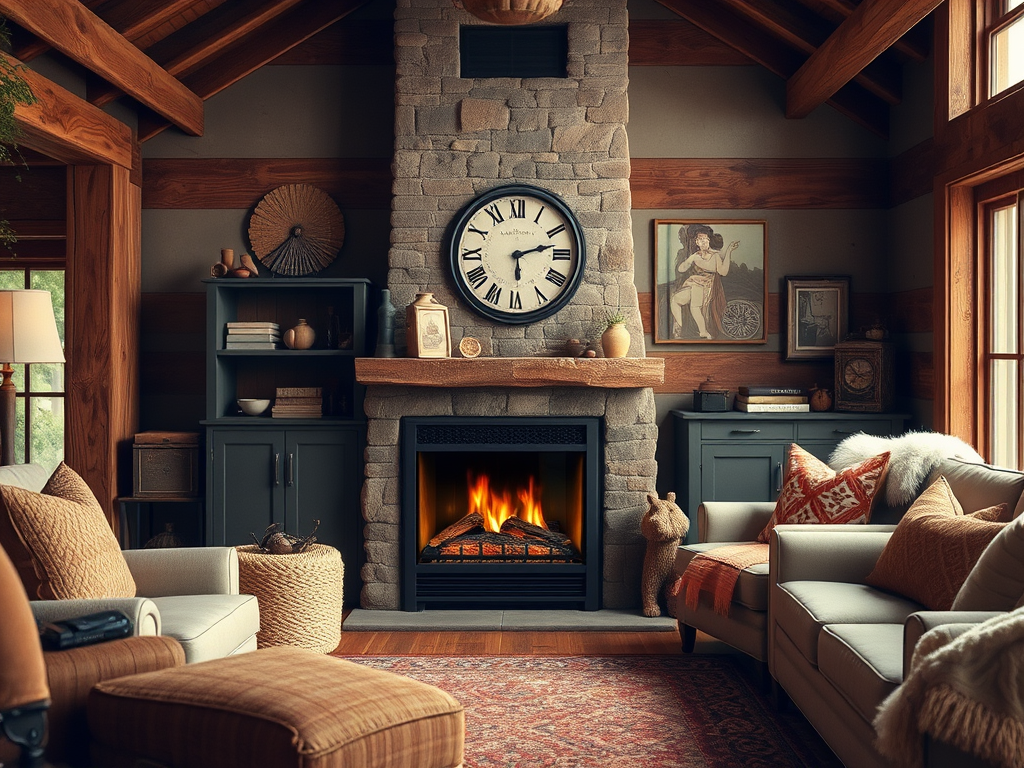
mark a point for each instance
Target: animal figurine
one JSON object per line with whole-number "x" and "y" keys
{"x": 664, "y": 525}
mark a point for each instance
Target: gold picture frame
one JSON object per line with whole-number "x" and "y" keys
{"x": 428, "y": 332}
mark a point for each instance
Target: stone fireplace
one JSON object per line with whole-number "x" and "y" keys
{"x": 454, "y": 139}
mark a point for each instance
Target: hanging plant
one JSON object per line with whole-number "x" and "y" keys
{"x": 14, "y": 90}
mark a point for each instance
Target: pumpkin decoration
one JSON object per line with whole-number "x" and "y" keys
{"x": 821, "y": 399}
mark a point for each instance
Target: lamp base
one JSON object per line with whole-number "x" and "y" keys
{"x": 8, "y": 425}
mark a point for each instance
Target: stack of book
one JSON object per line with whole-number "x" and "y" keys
{"x": 255, "y": 335}
{"x": 772, "y": 400}
{"x": 298, "y": 403}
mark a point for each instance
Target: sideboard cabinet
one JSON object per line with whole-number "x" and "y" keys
{"x": 737, "y": 456}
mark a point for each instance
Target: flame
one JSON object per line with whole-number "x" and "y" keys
{"x": 496, "y": 507}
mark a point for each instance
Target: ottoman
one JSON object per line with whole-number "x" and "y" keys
{"x": 273, "y": 708}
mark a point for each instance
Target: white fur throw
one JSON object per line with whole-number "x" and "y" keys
{"x": 964, "y": 690}
{"x": 912, "y": 458}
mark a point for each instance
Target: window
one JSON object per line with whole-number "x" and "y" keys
{"x": 1002, "y": 357}
{"x": 1004, "y": 32}
{"x": 40, "y": 386}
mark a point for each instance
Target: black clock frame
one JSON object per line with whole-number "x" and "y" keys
{"x": 458, "y": 226}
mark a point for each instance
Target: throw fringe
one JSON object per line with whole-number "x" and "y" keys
{"x": 717, "y": 571}
{"x": 972, "y": 727}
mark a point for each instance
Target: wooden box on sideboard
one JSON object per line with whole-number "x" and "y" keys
{"x": 165, "y": 465}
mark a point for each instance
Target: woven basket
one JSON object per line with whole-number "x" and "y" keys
{"x": 299, "y": 595}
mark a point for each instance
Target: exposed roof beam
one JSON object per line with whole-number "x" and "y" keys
{"x": 256, "y": 49}
{"x": 852, "y": 101}
{"x": 62, "y": 126}
{"x": 872, "y": 28}
{"x": 883, "y": 80}
{"x": 914, "y": 45}
{"x": 202, "y": 40}
{"x": 81, "y": 35}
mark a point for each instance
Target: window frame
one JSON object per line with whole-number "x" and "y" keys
{"x": 992, "y": 20}
{"x": 26, "y": 394}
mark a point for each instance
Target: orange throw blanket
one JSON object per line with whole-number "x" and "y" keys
{"x": 717, "y": 571}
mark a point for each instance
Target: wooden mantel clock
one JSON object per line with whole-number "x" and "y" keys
{"x": 864, "y": 376}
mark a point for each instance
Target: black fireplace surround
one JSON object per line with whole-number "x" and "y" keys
{"x": 564, "y": 455}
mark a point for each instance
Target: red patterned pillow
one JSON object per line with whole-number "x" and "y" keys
{"x": 814, "y": 493}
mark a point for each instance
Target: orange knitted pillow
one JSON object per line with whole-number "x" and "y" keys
{"x": 60, "y": 542}
{"x": 815, "y": 493}
{"x": 934, "y": 547}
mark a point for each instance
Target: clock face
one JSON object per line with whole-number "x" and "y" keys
{"x": 859, "y": 374}
{"x": 517, "y": 254}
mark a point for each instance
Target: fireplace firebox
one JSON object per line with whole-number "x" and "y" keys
{"x": 500, "y": 512}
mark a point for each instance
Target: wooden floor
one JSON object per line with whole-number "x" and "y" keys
{"x": 510, "y": 643}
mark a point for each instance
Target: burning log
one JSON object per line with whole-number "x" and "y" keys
{"x": 517, "y": 541}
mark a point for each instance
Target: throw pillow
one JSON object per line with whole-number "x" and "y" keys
{"x": 60, "y": 541}
{"x": 996, "y": 583}
{"x": 934, "y": 547}
{"x": 814, "y": 493}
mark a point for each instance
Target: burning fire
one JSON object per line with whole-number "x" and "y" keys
{"x": 497, "y": 507}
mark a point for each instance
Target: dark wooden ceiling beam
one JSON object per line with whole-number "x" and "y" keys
{"x": 913, "y": 46}
{"x": 78, "y": 33}
{"x": 256, "y": 49}
{"x": 871, "y": 29}
{"x": 62, "y": 126}
{"x": 853, "y": 101}
{"x": 135, "y": 19}
{"x": 806, "y": 34}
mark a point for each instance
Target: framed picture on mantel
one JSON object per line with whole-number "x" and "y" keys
{"x": 710, "y": 281}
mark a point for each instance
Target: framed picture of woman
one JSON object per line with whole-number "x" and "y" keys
{"x": 710, "y": 281}
{"x": 817, "y": 315}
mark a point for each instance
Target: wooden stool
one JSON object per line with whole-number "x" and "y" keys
{"x": 276, "y": 707}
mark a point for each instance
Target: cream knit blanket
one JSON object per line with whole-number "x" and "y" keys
{"x": 967, "y": 691}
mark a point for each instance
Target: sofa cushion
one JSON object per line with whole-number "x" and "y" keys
{"x": 209, "y": 626}
{"x": 60, "y": 541}
{"x": 752, "y": 585}
{"x": 864, "y": 662}
{"x": 934, "y": 547}
{"x": 802, "y": 608}
{"x": 814, "y": 493}
{"x": 982, "y": 485}
{"x": 996, "y": 582}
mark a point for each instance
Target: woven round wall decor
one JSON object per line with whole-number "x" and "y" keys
{"x": 297, "y": 230}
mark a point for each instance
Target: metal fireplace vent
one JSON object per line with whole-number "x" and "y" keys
{"x": 501, "y": 434}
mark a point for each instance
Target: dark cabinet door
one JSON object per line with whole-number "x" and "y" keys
{"x": 246, "y": 491}
{"x": 323, "y": 477}
{"x": 747, "y": 472}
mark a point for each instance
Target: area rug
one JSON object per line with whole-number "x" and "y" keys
{"x": 605, "y": 711}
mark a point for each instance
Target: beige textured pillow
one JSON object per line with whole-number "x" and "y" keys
{"x": 60, "y": 541}
{"x": 996, "y": 583}
{"x": 934, "y": 547}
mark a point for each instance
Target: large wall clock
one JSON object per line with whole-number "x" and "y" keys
{"x": 517, "y": 253}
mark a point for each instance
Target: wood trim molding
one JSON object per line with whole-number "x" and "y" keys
{"x": 791, "y": 183}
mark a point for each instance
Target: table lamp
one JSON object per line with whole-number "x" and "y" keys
{"x": 28, "y": 334}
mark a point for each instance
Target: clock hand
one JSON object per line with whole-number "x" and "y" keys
{"x": 517, "y": 255}
{"x": 540, "y": 248}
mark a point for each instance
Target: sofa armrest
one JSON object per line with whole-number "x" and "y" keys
{"x": 732, "y": 520}
{"x": 845, "y": 553}
{"x": 142, "y": 611}
{"x": 184, "y": 571}
{"x": 955, "y": 624}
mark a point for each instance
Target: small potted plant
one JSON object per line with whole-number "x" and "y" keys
{"x": 615, "y": 339}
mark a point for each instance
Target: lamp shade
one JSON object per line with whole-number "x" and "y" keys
{"x": 28, "y": 330}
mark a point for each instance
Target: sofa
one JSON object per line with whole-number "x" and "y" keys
{"x": 190, "y": 594}
{"x": 836, "y": 646}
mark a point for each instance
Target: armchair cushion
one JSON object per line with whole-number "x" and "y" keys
{"x": 60, "y": 541}
{"x": 934, "y": 547}
{"x": 996, "y": 583}
{"x": 864, "y": 662}
{"x": 814, "y": 493}
{"x": 751, "y": 589}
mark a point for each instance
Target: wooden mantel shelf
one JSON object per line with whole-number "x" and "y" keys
{"x": 600, "y": 372}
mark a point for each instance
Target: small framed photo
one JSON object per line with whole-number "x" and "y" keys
{"x": 710, "y": 281}
{"x": 817, "y": 315}
{"x": 428, "y": 333}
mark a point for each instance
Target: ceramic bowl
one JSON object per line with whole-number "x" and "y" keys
{"x": 252, "y": 407}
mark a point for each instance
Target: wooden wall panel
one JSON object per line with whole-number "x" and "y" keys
{"x": 208, "y": 183}
{"x": 819, "y": 183}
{"x": 670, "y": 42}
{"x": 104, "y": 287}
{"x": 684, "y": 371}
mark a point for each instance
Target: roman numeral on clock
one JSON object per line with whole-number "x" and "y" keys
{"x": 514, "y": 301}
{"x": 472, "y": 255}
{"x": 493, "y": 294}
{"x": 478, "y": 231}
{"x": 517, "y": 209}
{"x": 536, "y": 219}
{"x": 560, "y": 254}
{"x": 555, "y": 277}
{"x": 494, "y": 213}
{"x": 556, "y": 230}
{"x": 541, "y": 298}
{"x": 477, "y": 277}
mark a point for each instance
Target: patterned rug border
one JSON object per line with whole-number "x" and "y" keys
{"x": 716, "y": 716}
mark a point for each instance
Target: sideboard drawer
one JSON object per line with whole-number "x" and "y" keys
{"x": 748, "y": 430}
{"x": 839, "y": 430}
